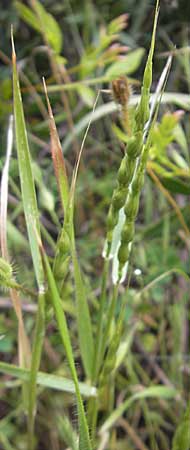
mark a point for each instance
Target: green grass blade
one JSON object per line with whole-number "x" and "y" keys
{"x": 83, "y": 318}
{"x": 159, "y": 392}
{"x": 33, "y": 226}
{"x": 142, "y": 114}
{"x": 26, "y": 176}
{"x": 47, "y": 380}
{"x": 181, "y": 439}
{"x": 126, "y": 65}
{"x": 83, "y": 315}
{"x": 84, "y": 439}
{"x": 40, "y": 16}
{"x": 35, "y": 363}
{"x": 161, "y": 277}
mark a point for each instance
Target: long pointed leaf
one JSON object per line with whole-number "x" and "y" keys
{"x": 33, "y": 225}
{"x": 48, "y": 380}
{"x": 26, "y": 176}
{"x": 159, "y": 392}
{"x": 84, "y": 439}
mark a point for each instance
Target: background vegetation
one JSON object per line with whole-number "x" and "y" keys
{"x": 148, "y": 377}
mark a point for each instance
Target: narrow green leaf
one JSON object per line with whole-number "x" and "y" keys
{"x": 84, "y": 439}
{"x": 161, "y": 277}
{"x": 176, "y": 186}
{"x": 83, "y": 315}
{"x": 126, "y": 65}
{"x": 41, "y": 17}
{"x": 33, "y": 227}
{"x": 26, "y": 176}
{"x": 142, "y": 114}
{"x": 27, "y": 15}
{"x": 159, "y": 392}
{"x": 83, "y": 318}
{"x": 47, "y": 380}
{"x": 49, "y": 26}
{"x": 156, "y": 229}
{"x": 35, "y": 363}
{"x": 181, "y": 439}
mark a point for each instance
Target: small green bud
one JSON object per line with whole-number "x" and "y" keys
{"x": 126, "y": 171}
{"x": 138, "y": 183}
{"x": 111, "y": 219}
{"x": 118, "y": 199}
{"x": 130, "y": 168}
{"x": 142, "y": 113}
{"x": 61, "y": 268}
{"x": 122, "y": 172}
{"x": 130, "y": 145}
{"x": 147, "y": 79}
{"x": 64, "y": 243}
{"x": 127, "y": 233}
{"x": 131, "y": 207}
{"x": 134, "y": 146}
{"x": 123, "y": 254}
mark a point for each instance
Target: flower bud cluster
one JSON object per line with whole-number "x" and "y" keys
{"x": 131, "y": 209}
{"x": 130, "y": 179}
{"x": 125, "y": 176}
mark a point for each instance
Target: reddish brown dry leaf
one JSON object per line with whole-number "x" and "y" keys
{"x": 57, "y": 155}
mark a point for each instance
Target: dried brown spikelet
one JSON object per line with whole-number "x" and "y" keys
{"x": 121, "y": 93}
{"x": 121, "y": 90}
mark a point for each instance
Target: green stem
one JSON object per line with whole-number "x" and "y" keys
{"x": 98, "y": 344}
{"x": 35, "y": 362}
{"x": 77, "y": 84}
{"x": 93, "y": 403}
{"x": 102, "y": 341}
{"x": 111, "y": 311}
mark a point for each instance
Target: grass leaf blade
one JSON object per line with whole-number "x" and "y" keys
{"x": 84, "y": 439}
{"x": 33, "y": 227}
{"x": 26, "y": 176}
{"x": 47, "y": 380}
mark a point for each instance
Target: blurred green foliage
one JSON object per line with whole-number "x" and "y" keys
{"x": 88, "y": 40}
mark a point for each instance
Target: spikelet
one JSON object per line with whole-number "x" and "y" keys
{"x": 121, "y": 94}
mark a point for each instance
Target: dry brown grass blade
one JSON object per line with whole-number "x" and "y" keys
{"x": 57, "y": 155}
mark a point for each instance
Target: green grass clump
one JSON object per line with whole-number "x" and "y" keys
{"x": 90, "y": 327}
